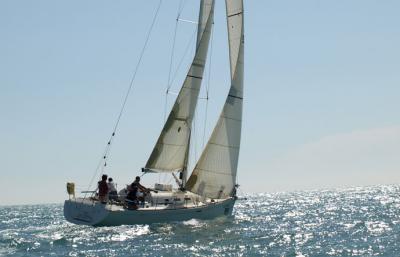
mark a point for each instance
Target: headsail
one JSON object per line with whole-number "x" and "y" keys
{"x": 215, "y": 173}
{"x": 171, "y": 150}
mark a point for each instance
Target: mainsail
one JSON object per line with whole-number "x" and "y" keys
{"x": 171, "y": 150}
{"x": 214, "y": 175}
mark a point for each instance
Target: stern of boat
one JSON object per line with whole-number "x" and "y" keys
{"x": 84, "y": 212}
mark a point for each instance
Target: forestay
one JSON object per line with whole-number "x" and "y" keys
{"x": 171, "y": 150}
{"x": 214, "y": 175}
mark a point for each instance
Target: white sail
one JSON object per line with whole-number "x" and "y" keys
{"x": 214, "y": 175}
{"x": 171, "y": 150}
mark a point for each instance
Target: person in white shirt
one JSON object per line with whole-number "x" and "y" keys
{"x": 112, "y": 191}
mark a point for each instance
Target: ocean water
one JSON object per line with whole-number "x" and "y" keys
{"x": 360, "y": 221}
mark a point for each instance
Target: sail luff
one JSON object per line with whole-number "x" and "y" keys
{"x": 205, "y": 10}
{"x": 171, "y": 149}
{"x": 184, "y": 172}
{"x": 215, "y": 173}
{"x": 205, "y": 7}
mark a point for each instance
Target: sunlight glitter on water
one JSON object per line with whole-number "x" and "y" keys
{"x": 361, "y": 221}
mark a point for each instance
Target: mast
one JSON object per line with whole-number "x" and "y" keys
{"x": 205, "y": 7}
{"x": 171, "y": 152}
{"x": 185, "y": 167}
{"x": 214, "y": 175}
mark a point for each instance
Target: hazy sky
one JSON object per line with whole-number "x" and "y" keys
{"x": 322, "y": 89}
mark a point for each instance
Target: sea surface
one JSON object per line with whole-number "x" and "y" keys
{"x": 359, "y": 221}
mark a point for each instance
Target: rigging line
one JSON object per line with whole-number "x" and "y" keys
{"x": 208, "y": 85}
{"x": 97, "y": 168}
{"x": 172, "y": 59}
{"x": 131, "y": 84}
{"x": 176, "y": 73}
{"x": 182, "y": 6}
{"x": 183, "y": 57}
{"x": 138, "y": 64}
{"x": 189, "y": 21}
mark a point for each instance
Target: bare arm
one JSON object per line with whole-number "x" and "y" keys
{"x": 142, "y": 188}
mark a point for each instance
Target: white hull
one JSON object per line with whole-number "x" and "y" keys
{"x": 93, "y": 213}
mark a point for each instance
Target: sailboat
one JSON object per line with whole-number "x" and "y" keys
{"x": 210, "y": 190}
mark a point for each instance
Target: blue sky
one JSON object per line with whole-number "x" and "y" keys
{"x": 321, "y": 92}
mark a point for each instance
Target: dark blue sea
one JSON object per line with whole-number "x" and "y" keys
{"x": 359, "y": 221}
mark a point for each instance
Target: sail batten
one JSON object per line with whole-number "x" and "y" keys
{"x": 170, "y": 153}
{"x": 214, "y": 175}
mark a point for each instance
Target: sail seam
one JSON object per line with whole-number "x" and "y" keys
{"x": 181, "y": 119}
{"x": 226, "y": 146}
{"x": 238, "y": 97}
{"x": 234, "y": 14}
{"x": 229, "y": 118}
{"x": 190, "y": 88}
{"x": 196, "y": 77}
{"x": 198, "y": 65}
